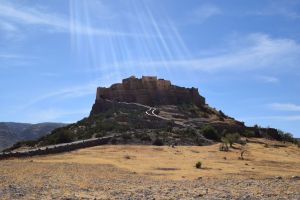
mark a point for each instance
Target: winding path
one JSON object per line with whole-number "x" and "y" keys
{"x": 64, "y": 147}
{"x": 149, "y": 112}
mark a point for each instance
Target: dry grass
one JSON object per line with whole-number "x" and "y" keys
{"x": 259, "y": 161}
{"x": 111, "y": 171}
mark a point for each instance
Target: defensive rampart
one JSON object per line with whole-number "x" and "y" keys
{"x": 148, "y": 91}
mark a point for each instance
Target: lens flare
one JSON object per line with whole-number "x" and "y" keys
{"x": 136, "y": 39}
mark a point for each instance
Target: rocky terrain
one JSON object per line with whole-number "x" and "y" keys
{"x": 11, "y": 132}
{"x": 270, "y": 170}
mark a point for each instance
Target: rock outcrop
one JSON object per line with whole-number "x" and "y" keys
{"x": 148, "y": 91}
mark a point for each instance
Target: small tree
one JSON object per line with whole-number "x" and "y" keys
{"x": 224, "y": 145}
{"x": 285, "y": 137}
{"x": 232, "y": 138}
{"x": 210, "y": 133}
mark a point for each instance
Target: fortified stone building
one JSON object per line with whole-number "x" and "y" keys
{"x": 148, "y": 91}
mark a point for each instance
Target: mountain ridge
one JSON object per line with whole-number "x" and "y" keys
{"x": 12, "y": 132}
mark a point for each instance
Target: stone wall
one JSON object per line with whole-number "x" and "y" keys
{"x": 58, "y": 148}
{"x": 148, "y": 91}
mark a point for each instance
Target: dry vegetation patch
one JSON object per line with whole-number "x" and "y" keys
{"x": 146, "y": 171}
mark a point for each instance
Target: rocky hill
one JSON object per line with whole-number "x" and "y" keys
{"x": 147, "y": 91}
{"x": 11, "y": 132}
{"x": 152, "y": 111}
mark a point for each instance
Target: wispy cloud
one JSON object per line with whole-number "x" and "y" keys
{"x": 205, "y": 12}
{"x": 22, "y": 15}
{"x": 6, "y": 26}
{"x": 71, "y": 92}
{"x": 255, "y": 51}
{"x": 16, "y": 60}
{"x": 284, "y": 106}
{"x": 252, "y": 52}
{"x": 16, "y": 56}
{"x": 74, "y": 91}
{"x": 279, "y": 8}
{"x": 267, "y": 79}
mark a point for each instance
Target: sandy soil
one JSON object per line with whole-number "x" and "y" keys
{"x": 150, "y": 172}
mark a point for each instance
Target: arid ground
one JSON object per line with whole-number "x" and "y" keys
{"x": 270, "y": 170}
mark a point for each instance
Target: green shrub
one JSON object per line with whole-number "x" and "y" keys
{"x": 122, "y": 128}
{"x": 198, "y": 165}
{"x": 158, "y": 142}
{"x": 224, "y": 146}
{"x": 285, "y": 137}
{"x": 232, "y": 138}
{"x": 99, "y": 135}
{"x": 249, "y": 134}
{"x": 126, "y": 136}
{"x": 63, "y": 137}
{"x": 190, "y": 132}
{"x": 146, "y": 137}
{"x": 210, "y": 133}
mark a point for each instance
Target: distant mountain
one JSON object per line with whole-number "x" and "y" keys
{"x": 11, "y": 132}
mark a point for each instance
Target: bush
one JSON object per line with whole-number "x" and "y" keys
{"x": 169, "y": 126}
{"x": 190, "y": 132}
{"x": 285, "y": 137}
{"x": 198, "y": 165}
{"x": 126, "y": 136}
{"x": 99, "y": 135}
{"x": 224, "y": 146}
{"x": 232, "y": 138}
{"x": 210, "y": 133}
{"x": 146, "y": 137}
{"x": 63, "y": 137}
{"x": 249, "y": 134}
{"x": 158, "y": 142}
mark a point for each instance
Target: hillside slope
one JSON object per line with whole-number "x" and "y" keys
{"x": 152, "y": 111}
{"x": 11, "y": 132}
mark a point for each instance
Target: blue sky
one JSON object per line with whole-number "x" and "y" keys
{"x": 242, "y": 55}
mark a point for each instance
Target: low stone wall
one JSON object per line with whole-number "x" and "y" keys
{"x": 57, "y": 148}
